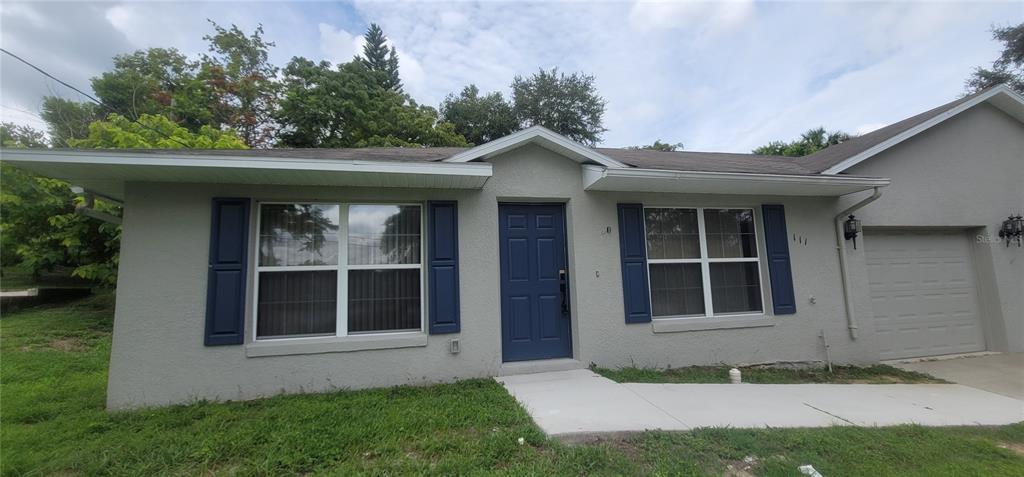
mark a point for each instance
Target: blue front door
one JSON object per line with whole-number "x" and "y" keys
{"x": 534, "y": 282}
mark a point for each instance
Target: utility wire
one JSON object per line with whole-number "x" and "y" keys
{"x": 93, "y": 99}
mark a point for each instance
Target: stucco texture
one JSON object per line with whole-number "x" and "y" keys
{"x": 966, "y": 173}
{"x": 158, "y": 355}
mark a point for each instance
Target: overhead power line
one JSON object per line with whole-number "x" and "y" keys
{"x": 91, "y": 98}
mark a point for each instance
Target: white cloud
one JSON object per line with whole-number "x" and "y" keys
{"x": 338, "y": 45}
{"x": 866, "y": 128}
{"x": 717, "y": 76}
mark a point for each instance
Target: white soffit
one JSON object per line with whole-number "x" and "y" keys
{"x": 1002, "y": 97}
{"x": 596, "y": 178}
{"x": 543, "y": 137}
{"x": 105, "y": 171}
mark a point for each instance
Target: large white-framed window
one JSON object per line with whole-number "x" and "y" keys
{"x": 703, "y": 262}
{"x": 338, "y": 269}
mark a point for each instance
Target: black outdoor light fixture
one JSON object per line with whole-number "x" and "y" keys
{"x": 1012, "y": 229}
{"x": 851, "y": 228}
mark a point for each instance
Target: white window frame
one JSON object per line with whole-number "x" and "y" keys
{"x": 705, "y": 262}
{"x": 342, "y": 268}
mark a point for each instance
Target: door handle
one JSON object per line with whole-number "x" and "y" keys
{"x": 563, "y": 287}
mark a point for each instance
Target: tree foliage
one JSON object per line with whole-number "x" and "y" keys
{"x": 67, "y": 120}
{"x": 243, "y": 81}
{"x": 479, "y": 118}
{"x": 660, "y": 146}
{"x": 39, "y": 229}
{"x": 809, "y": 142}
{"x": 347, "y": 107}
{"x": 152, "y": 131}
{"x": 566, "y": 104}
{"x": 380, "y": 59}
{"x": 1008, "y": 68}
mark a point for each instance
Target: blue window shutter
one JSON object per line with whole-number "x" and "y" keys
{"x": 443, "y": 263}
{"x": 776, "y": 241}
{"x": 225, "y": 284}
{"x": 633, "y": 251}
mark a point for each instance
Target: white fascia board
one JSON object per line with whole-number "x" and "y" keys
{"x": 595, "y": 178}
{"x": 542, "y": 135}
{"x": 114, "y": 157}
{"x": 882, "y": 146}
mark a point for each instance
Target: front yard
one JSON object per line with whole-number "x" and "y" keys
{"x": 53, "y": 378}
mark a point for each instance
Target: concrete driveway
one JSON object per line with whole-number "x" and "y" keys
{"x": 579, "y": 403}
{"x": 998, "y": 373}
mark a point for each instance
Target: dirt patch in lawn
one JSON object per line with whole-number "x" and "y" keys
{"x": 1014, "y": 447}
{"x": 67, "y": 345}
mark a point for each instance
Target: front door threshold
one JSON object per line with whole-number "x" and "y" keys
{"x": 539, "y": 366}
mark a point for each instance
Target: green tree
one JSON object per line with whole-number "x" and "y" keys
{"x": 568, "y": 105}
{"x": 479, "y": 118}
{"x": 1008, "y": 68}
{"x": 67, "y": 120}
{"x": 39, "y": 229}
{"x": 660, "y": 146}
{"x": 381, "y": 59}
{"x": 346, "y": 107}
{"x": 810, "y": 142}
{"x": 144, "y": 82}
{"x": 151, "y": 131}
{"x": 245, "y": 86}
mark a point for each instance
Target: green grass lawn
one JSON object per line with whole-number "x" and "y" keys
{"x": 53, "y": 363}
{"x": 878, "y": 374}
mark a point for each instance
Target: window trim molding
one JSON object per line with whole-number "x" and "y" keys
{"x": 341, "y": 333}
{"x": 705, "y": 262}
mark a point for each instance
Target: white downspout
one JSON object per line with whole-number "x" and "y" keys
{"x": 851, "y": 320}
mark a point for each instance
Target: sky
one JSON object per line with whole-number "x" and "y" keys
{"x": 726, "y": 76}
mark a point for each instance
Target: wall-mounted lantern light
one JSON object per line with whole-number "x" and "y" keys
{"x": 851, "y": 228}
{"x": 1012, "y": 230}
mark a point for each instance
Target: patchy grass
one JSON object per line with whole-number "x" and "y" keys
{"x": 53, "y": 381}
{"x": 877, "y": 374}
{"x": 13, "y": 278}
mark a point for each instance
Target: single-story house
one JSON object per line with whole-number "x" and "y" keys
{"x": 251, "y": 273}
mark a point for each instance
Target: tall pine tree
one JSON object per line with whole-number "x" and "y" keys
{"x": 381, "y": 59}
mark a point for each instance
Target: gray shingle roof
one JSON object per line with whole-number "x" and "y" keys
{"x": 645, "y": 159}
{"x": 706, "y": 161}
{"x": 826, "y": 158}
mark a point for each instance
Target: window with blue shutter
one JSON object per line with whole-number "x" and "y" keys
{"x": 633, "y": 253}
{"x": 225, "y": 292}
{"x": 776, "y": 241}
{"x": 443, "y": 266}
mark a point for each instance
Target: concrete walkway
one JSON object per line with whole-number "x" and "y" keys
{"x": 1000, "y": 373}
{"x": 580, "y": 402}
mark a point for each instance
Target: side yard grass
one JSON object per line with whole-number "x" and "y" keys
{"x": 53, "y": 368}
{"x": 877, "y": 374}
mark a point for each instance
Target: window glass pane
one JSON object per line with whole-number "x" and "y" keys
{"x": 672, "y": 233}
{"x": 730, "y": 233}
{"x": 735, "y": 287}
{"x": 383, "y": 300}
{"x": 383, "y": 234}
{"x": 297, "y": 303}
{"x": 298, "y": 234}
{"x": 676, "y": 289}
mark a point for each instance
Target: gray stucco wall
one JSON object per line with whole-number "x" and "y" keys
{"x": 965, "y": 173}
{"x": 158, "y": 355}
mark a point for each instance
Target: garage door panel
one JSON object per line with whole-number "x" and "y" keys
{"x": 923, "y": 293}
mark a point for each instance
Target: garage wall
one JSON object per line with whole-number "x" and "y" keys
{"x": 966, "y": 173}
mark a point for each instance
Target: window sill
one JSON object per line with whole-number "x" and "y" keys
{"x": 676, "y": 325}
{"x": 333, "y": 344}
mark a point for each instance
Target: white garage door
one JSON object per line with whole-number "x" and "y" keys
{"x": 923, "y": 293}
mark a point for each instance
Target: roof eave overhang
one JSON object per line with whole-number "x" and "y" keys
{"x": 541, "y": 136}
{"x": 1002, "y": 97}
{"x": 106, "y": 171}
{"x": 596, "y": 178}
